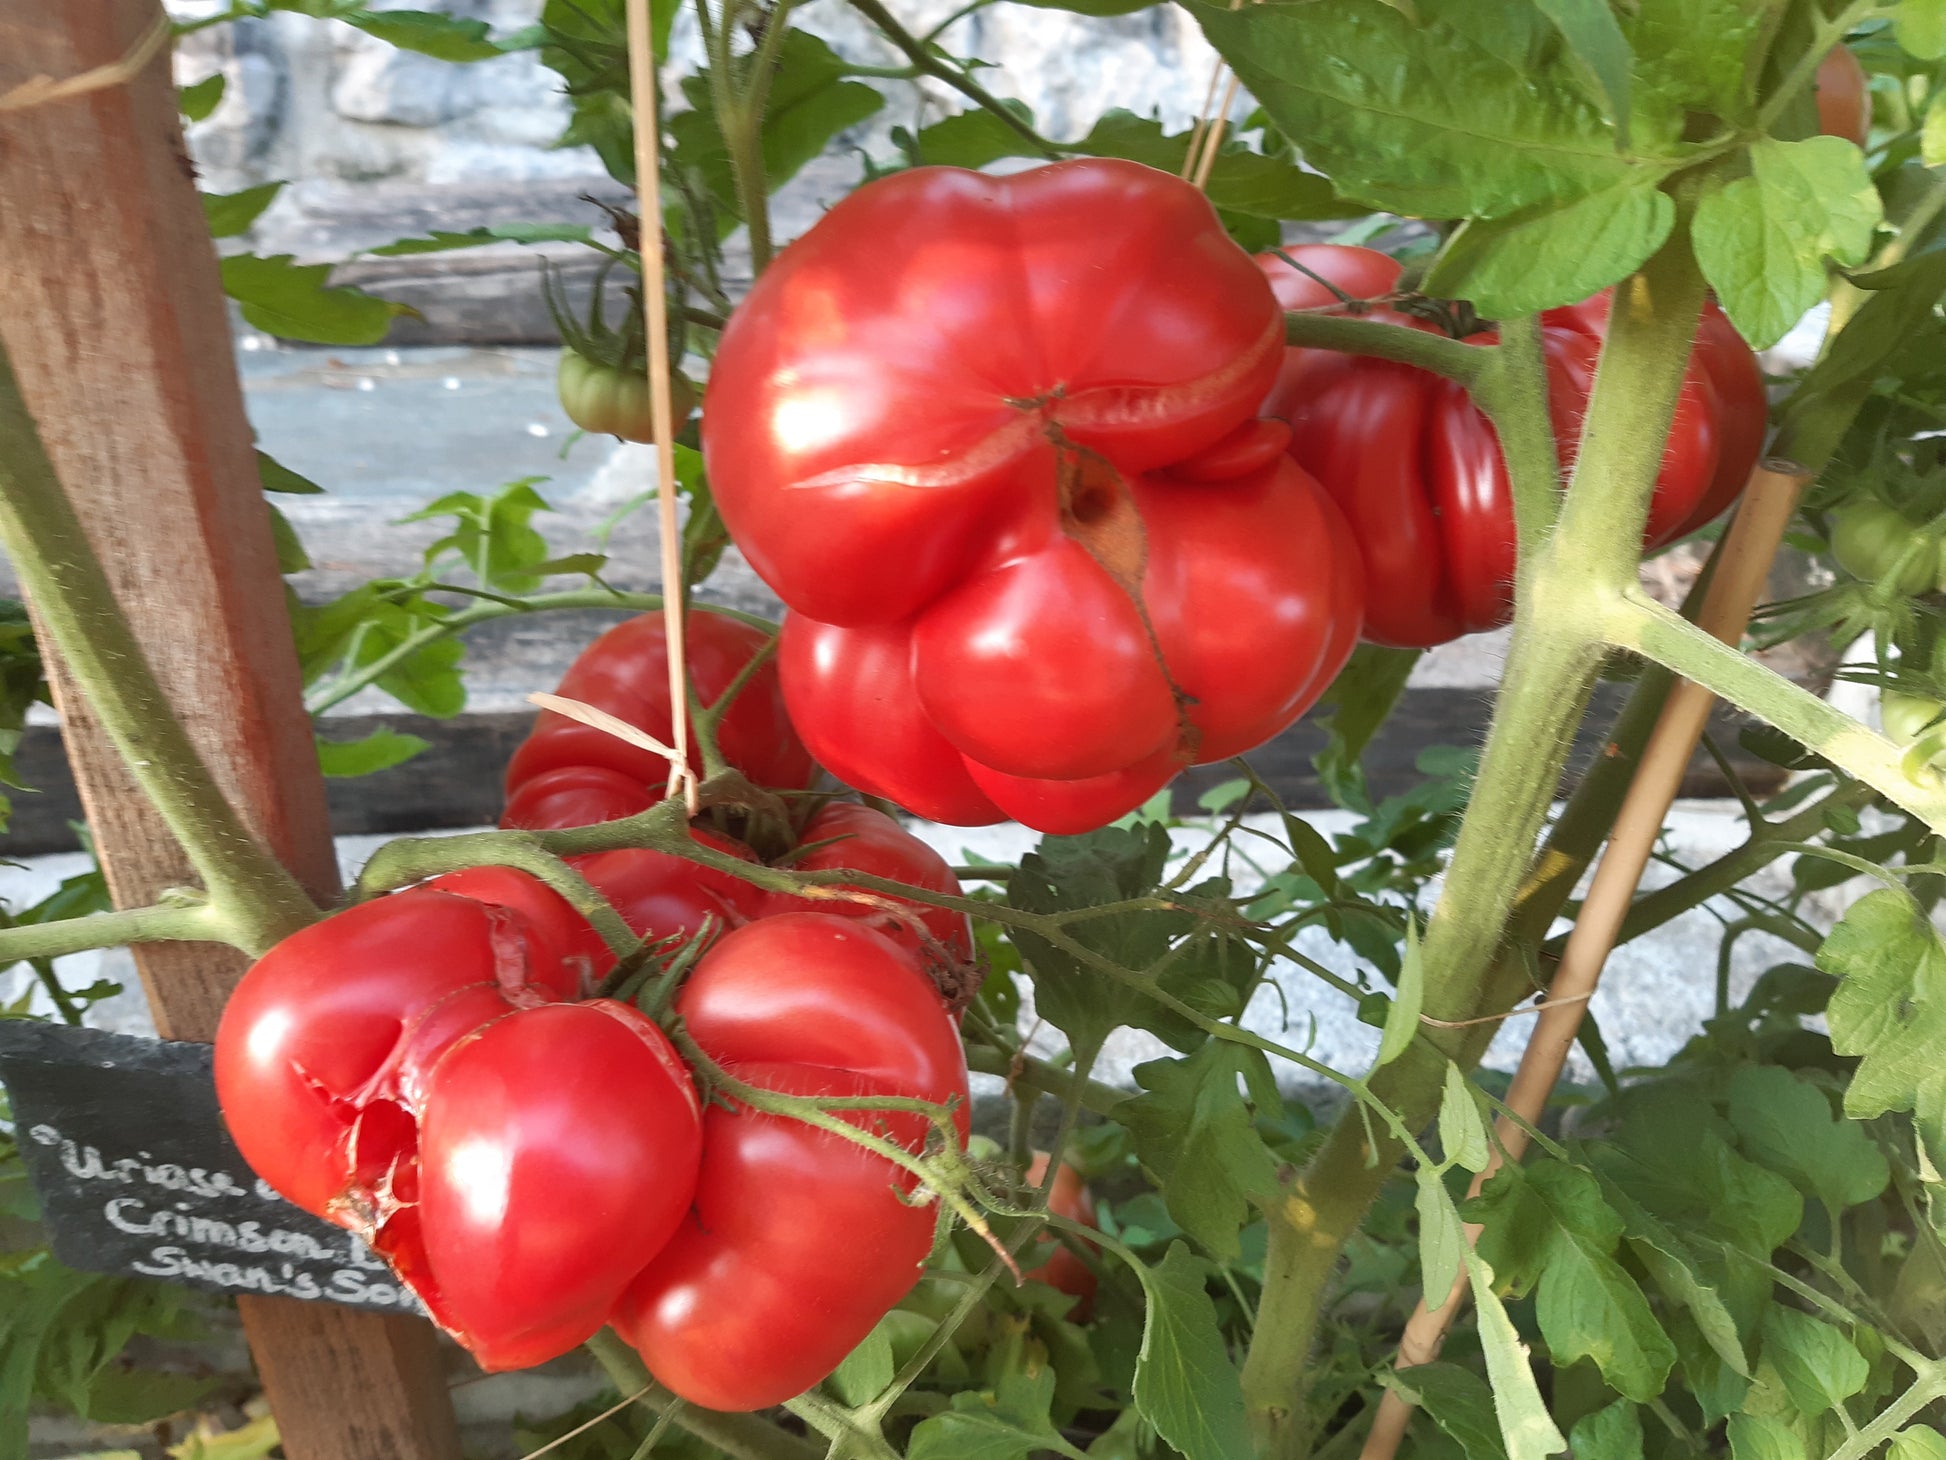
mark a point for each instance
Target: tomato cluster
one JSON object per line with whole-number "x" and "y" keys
{"x": 432, "y": 1071}
{"x": 1007, "y": 471}
{"x": 1418, "y": 470}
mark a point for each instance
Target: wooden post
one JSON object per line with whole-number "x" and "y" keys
{"x": 113, "y": 313}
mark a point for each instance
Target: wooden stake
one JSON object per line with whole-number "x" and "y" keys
{"x": 662, "y": 414}
{"x": 1754, "y": 534}
{"x": 116, "y": 325}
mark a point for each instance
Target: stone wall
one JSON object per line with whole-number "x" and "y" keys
{"x": 315, "y": 101}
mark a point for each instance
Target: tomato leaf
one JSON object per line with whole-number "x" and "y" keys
{"x": 1459, "y": 1402}
{"x": 1539, "y": 258}
{"x": 1442, "y": 1241}
{"x": 197, "y": 100}
{"x": 1889, "y": 1009}
{"x": 378, "y": 751}
{"x": 443, "y": 241}
{"x": 443, "y": 37}
{"x": 1917, "y": 1444}
{"x": 1592, "y": 33}
{"x": 810, "y": 102}
{"x": 1185, "y": 1384}
{"x": 1402, "y": 1019}
{"x": 1548, "y": 1226}
{"x": 1195, "y": 1132}
{"x": 1820, "y": 1367}
{"x": 1099, "y": 8}
{"x": 292, "y": 301}
{"x": 867, "y": 1369}
{"x": 1921, "y": 28}
{"x": 1526, "y": 1427}
{"x": 1009, "y": 1423}
{"x": 495, "y": 538}
{"x": 1692, "y": 55}
{"x": 274, "y": 476}
{"x": 1462, "y": 1129}
{"x": 1762, "y": 1437}
{"x": 1788, "y": 1125}
{"x": 1932, "y": 134}
{"x": 1359, "y": 700}
{"x": 1763, "y": 240}
{"x": 1435, "y": 116}
{"x": 232, "y": 213}
{"x": 1613, "y": 1433}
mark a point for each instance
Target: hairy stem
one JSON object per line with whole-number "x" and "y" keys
{"x": 921, "y": 56}
{"x": 1584, "y": 562}
{"x": 160, "y": 924}
{"x": 740, "y": 1436}
{"x": 260, "y": 901}
{"x": 1324, "y": 330}
{"x": 1637, "y": 623}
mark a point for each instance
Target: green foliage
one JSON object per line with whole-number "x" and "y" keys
{"x": 1763, "y": 240}
{"x": 382, "y": 749}
{"x": 1185, "y": 1384}
{"x": 232, "y": 213}
{"x": 292, "y": 301}
{"x": 1889, "y": 1009}
{"x": 22, "y": 685}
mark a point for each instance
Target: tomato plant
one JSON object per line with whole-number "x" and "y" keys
{"x": 1010, "y": 520}
{"x": 1063, "y": 492}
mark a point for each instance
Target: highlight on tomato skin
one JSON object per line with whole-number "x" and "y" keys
{"x": 1039, "y": 550}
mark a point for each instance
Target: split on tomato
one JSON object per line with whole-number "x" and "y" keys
{"x": 995, "y": 442}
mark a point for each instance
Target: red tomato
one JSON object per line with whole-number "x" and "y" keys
{"x": 1844, "y": 97}
{"x": 1417, "y": 468}
{"x": 1004, "y": 467}
{"x": 865, "y": 840}
{"x": 799, "y": 1241}
{"x": 412, "y": 1070}
{"x": 1069, "y": 1198}
{"x": 576, "y": 795}
{"x": 626, "y": 673}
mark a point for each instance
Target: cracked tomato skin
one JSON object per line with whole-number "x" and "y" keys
{"x": 417, "y": 1069}
{"x": 1417, "y": 468}
{"x": 626, "y": 673}
{"x": 799, "y": 1241}
{"x": 995, "y": 443}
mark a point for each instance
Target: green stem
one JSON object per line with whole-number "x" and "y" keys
{"x": 160, "y": 924}
{"x": 1930, "y": 1385}
{"x": 922, "y": 57}
{"x": 854, "y": 1436}
{"x": 1029, "y": 1073}
{"x": 1511, "y": 387}
{"x": 740, "y": 1436}
{"x": 1551, "y": 664}
{"x": 1639, "y": 624}
{"x": 1831, "y": 33}
{"x": 1322, "y": 330}
{"x": 75, "y": 606}
{"x": 414, "y": 859}
{"x": 342, "y": 689}
{"x": 1764, "y": 846}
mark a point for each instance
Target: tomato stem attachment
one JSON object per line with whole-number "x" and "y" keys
{"x": 740, "y": 1436}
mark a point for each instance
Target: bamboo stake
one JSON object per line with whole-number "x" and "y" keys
{"x": 1213, "y": 135}
{"x": 1758, "y": 528}
{"x": 655, "y": 311}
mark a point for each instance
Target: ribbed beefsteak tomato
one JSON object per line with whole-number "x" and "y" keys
{"x": 1417, "y": 468}
{"x": 994, "y": 440}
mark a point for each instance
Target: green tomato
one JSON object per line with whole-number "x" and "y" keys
{"x": 1871, "y": 540}
{"x": 1906, "y": 717}
{"x": 607, "y": 401}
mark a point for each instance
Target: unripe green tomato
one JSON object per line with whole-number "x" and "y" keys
{"x": 606, "y": 401}
{"x": 1905, "y": 717}
{"x": 1869, "y": 539}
